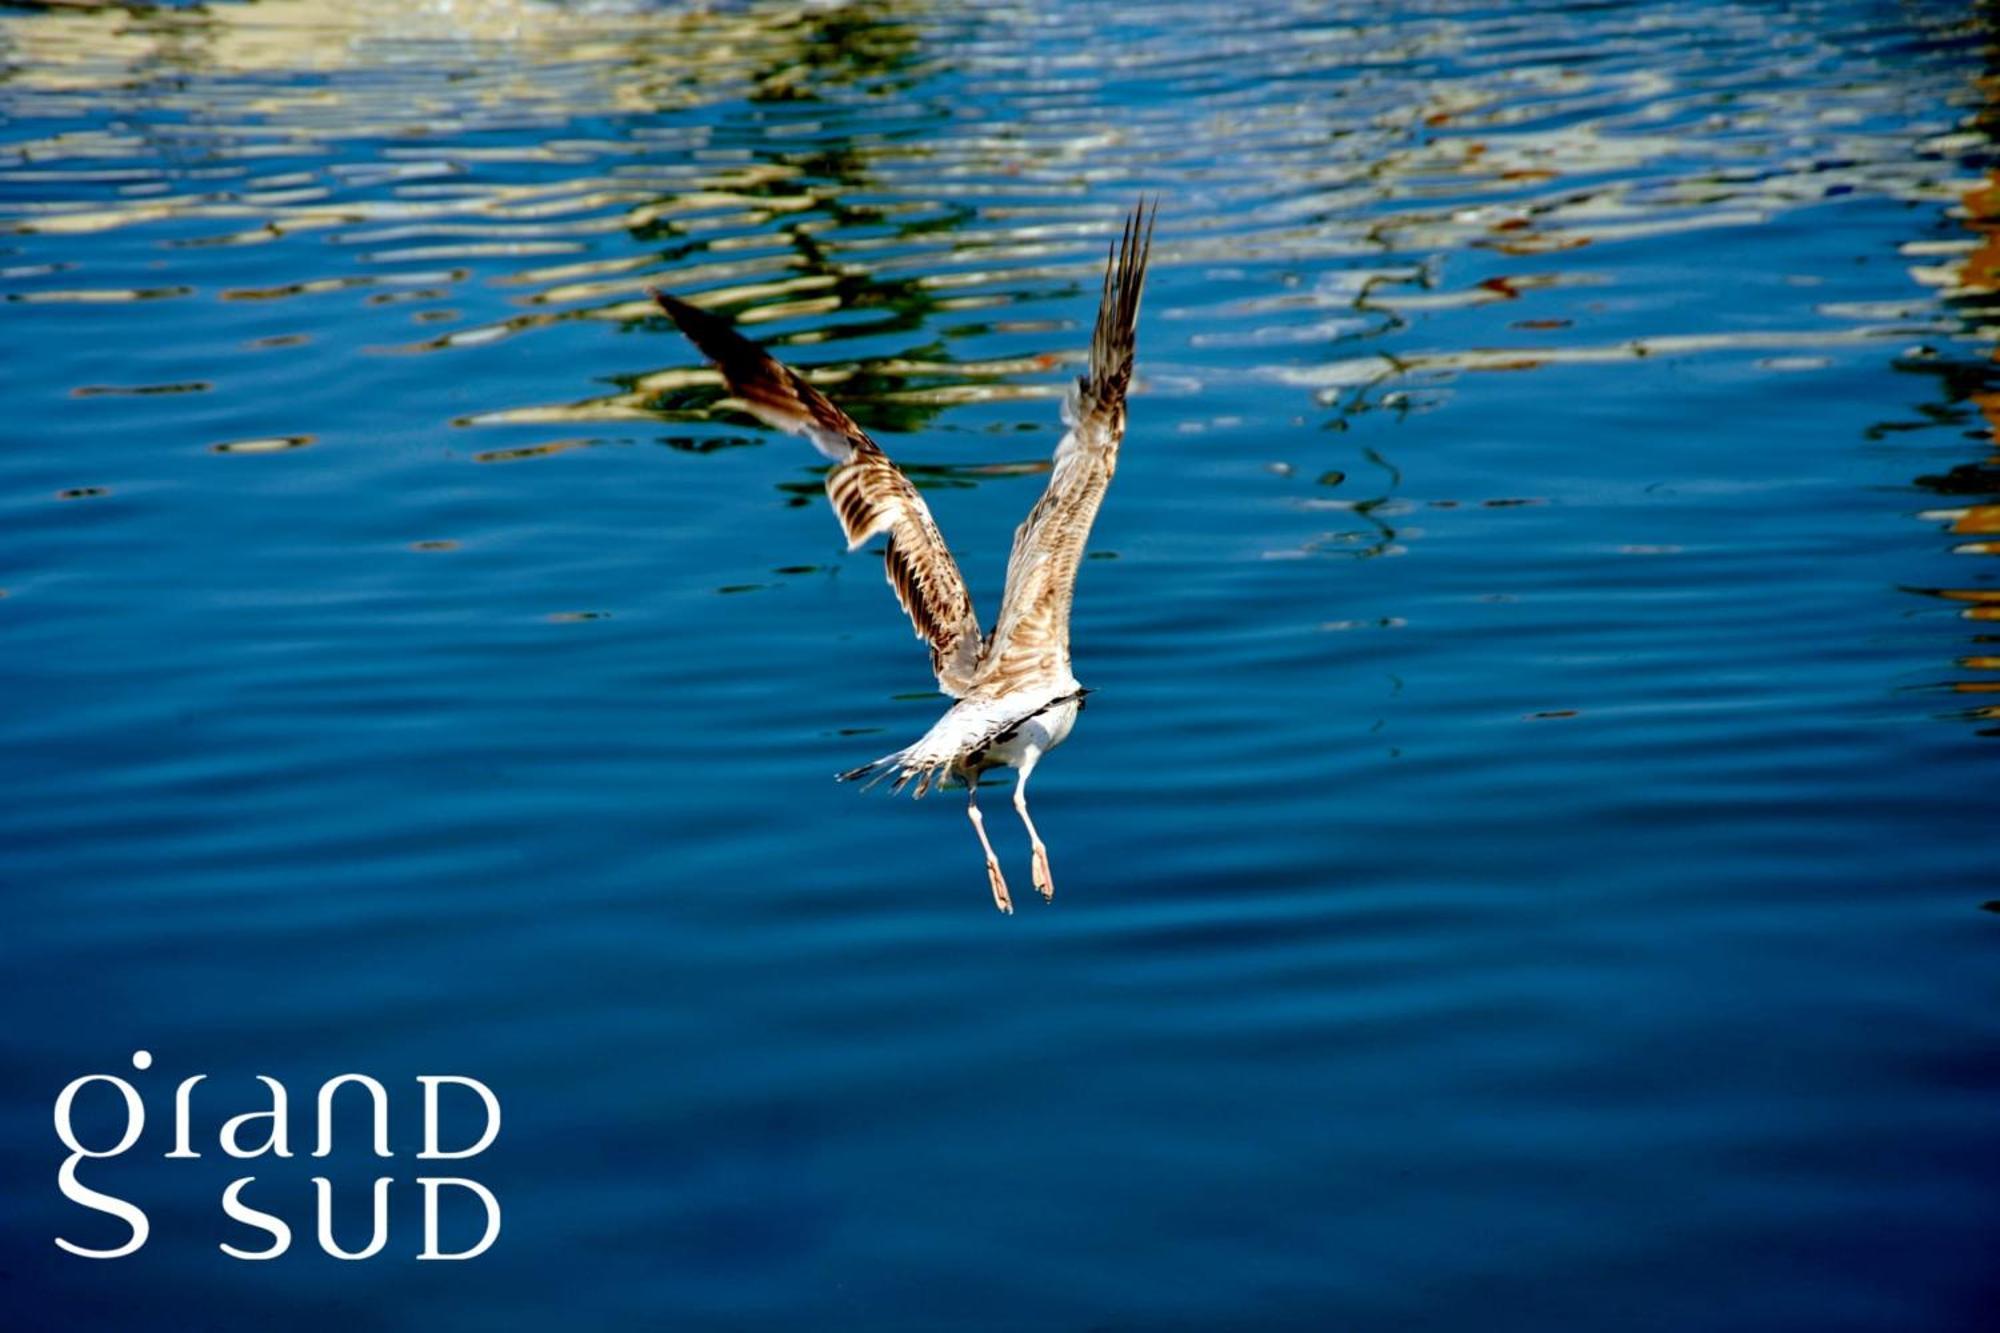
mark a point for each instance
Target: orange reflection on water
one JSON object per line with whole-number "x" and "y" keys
{"x": 1978, "y": 273}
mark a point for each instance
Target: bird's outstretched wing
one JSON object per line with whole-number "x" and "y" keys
{"x": 1031, "y": 637}
{"x": 869, "y": 494}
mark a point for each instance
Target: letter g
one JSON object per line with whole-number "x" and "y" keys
{"x": 75, "y": 1191}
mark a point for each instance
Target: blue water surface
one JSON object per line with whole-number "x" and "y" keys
{"x": 1522, "y": 866}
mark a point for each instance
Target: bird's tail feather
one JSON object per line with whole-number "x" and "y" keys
{"x": 906, "y": 766}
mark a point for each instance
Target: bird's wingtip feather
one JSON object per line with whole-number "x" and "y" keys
{"x": 684, "y": 314}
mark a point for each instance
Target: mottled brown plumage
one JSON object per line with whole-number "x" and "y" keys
{"x": 868, "y": 493}
{"x": 1031, "y": 637}
{"x": 1016, "y": 696}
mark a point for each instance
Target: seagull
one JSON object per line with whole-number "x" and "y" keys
{"x": 1015, "y": 695}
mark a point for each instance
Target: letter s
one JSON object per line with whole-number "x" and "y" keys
{"x": 281, "y": 1235}
{"x": 130, "y": 1214}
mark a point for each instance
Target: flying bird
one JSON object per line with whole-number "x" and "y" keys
{"x": 1015, "y": 695}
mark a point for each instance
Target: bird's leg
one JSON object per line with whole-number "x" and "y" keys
{"x": 1040, "y": 871}
{"x": 993, "y": 875}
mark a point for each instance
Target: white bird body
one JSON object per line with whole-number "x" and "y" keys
{"x": 980, "y": 734}
{"x": 1015, "y": 695}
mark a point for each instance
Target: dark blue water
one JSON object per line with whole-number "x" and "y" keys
{"x": 1522, "y": 866}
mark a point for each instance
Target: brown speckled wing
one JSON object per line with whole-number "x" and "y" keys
{"x": 869, "y": 494}
{"x": 1030, "y": 643}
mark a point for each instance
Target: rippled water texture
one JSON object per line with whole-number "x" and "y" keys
{"x": 1522, "y": 866}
